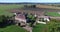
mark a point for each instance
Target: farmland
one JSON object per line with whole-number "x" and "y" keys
{"x": 47, "y": 6}
{"x": 4, "y": 9}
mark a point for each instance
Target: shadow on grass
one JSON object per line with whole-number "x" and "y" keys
{"x": 5, "y": 24}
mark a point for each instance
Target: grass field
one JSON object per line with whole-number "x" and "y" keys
{"x": 52, "y": 14}
{"x": 4, "y": 9}
{"x": 12, "y": 28}
{"x": 39, "y": 28}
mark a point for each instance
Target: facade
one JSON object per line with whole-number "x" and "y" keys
{"x": 20, "y": 19}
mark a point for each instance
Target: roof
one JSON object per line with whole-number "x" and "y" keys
{"x": 20, "y": 16}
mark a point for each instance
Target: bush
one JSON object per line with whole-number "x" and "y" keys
{"x": 53, "y": 26}
{"x": 4, "y": 20}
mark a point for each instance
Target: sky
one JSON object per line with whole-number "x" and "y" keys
{"x": 35, "y": 1}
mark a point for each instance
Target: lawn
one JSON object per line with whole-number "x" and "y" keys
{"x": 52, "y": 14}
{"x": 12, "y": 28}
{"x": 39, "y": 28}
{"x": 4, "y": 9}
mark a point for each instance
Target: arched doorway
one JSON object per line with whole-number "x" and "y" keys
{"x": 19, "y": 24}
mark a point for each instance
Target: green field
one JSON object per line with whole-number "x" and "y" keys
{"x": 39, "y": 28}
{"x": 52, "y": 14}
{"x": 12, "y": 28}
{"x": 4, "y": 9}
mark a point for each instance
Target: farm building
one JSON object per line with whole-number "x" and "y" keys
{"x": 20, "y": 19}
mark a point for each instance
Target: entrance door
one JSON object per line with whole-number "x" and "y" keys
{"x": 19, "y": 24}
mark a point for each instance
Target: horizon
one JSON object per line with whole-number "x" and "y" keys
{"x": 32, "y": 1}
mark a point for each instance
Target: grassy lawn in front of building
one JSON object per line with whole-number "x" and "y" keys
{"x": 39, "y": 28}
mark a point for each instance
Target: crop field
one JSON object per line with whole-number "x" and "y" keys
{"x": 4, "y": 9}
{"x": 7, "y": 8}
{"x": 46, "y": 6}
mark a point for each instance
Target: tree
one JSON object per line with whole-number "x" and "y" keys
{"x": 4, "y": 20}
